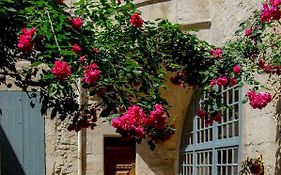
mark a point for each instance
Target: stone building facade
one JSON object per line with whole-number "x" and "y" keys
{"x": 216, "y": 22}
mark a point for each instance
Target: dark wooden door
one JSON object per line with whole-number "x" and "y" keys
{"x": 119, "y": 156}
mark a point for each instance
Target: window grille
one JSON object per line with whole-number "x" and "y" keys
{"x": 213, "y": 150}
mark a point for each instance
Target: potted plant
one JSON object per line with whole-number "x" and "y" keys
{"x": 253, "y": 166}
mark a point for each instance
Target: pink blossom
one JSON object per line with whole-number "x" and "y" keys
{"x": 25, "y": 40}
{"x": 237, "y": 69}
{"x": 91, "y": 74}
{"x": 271, "y": 12}
{"x": 222, "y": 81}
{"x": 130, "y": 124}
{"x": 61, "y": 70}
{"x": 275, "y": 13}
{"x": 209, "y": 122}
{"x": 157, "y": 117}
{"x": 82, "y": 58}
{"x": 136, "y": 21}
{"x": 261, "y": 63}
{"x": 265, "y": 13}
{"x": 217, "y": 53}
{"x": 248, "y": 32}
{"x": 232, "y": 81}
{"x": 30, "y": 32}
{"x": 258, "y": 100}
{"x": 267, "y": 69}
{"x": 95, "y": 50}
{"x": 201, "y": 113}
{"x": 93, "y": 66}
{"x": 76, "y": 48}
{"x": 140, "y": 132}
{"x": 213, "y": 82}
{"x": 275, "y": 2}
{"x": 76, "y": 23}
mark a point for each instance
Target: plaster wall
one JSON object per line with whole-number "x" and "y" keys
{"x": 260, "y": 133}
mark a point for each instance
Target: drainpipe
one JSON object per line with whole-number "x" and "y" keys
{"x": 81, "y": 140}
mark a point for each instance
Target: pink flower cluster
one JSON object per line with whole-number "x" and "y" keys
{"x": 25, "y": 39}
{"x": 258, "y": 100}
{"x": 236, "y": 69}
{"x": 157, "y": 118}
{"x": 130, "y": 124}
{"x": 217, "y": 53}
{"x": 248, "y": 32}
{"x": 91, "y": 74}
{"x": 82, "y": 58}
{"x": 275, "y": 2}
{"x": 61, "y": 70}
{"x": 76, "y": 23}
{"x": 209, "y": 117}
{"x": 136, "y": 20}
{"x": 271, "y": 11}
{"x": 96, "y": 50}
{"x": 135, "y": 123}
{"x": 223, "y": 81}
{"x": 76, "y": 48}
{"x": 274, "y": 69}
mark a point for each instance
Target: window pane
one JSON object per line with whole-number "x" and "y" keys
{"x": 220, "y": 140}
{"x": 230, "y": 99}
{"x": 236, "y": 127}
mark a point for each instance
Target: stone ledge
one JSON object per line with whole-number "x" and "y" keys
{"x": 141, "y": 3}
{"x": 197, "y": 25}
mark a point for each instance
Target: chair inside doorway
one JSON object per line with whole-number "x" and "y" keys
{"x": 119, "y": 156}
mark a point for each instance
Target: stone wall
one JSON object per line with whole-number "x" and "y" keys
{"x": 61, "y": 148}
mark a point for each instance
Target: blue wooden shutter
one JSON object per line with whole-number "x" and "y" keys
{"x": 21, "y": 135}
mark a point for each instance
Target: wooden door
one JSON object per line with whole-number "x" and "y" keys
{"x": 119, "y": 156}
{"x": 22, "y": 143}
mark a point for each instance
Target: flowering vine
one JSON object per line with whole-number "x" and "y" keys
{"x": 124, "y": 60}
{"x": 61, "y": 70}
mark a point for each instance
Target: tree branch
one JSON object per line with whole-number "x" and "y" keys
{"x": 52, "y": 28}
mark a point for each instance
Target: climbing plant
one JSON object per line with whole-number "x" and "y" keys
{"x": 107, "y": 48}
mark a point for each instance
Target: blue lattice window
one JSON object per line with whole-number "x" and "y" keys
{"x": 213, "y": 150}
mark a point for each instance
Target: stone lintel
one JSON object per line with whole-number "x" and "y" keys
{"x": 197, "y": 25}
{"x": 141, "y": 3}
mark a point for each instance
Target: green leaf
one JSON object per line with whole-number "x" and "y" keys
{"x": 35, "y": 64}
{"x": 46, "y": 77}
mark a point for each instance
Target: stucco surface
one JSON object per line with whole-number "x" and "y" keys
{"x": 260, "y": 133}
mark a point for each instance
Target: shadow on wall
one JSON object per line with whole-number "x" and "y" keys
{"x": 278, "y": 139}
{"x": 165, "y": 157}
{"x": 158, "y": 161}
{"x": 10, "y": 164}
